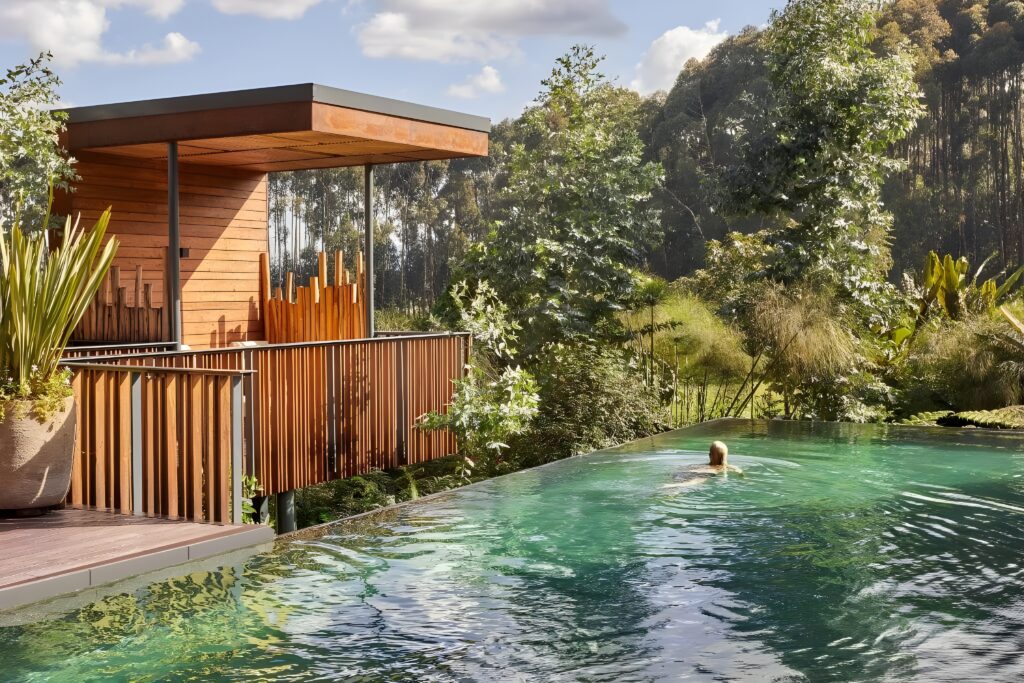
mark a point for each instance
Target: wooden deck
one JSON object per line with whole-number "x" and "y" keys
{"x": 71, "y": 550}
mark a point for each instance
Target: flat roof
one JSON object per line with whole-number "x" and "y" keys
{"x": 281, "y": 128}
{"x": 301, "y": 92}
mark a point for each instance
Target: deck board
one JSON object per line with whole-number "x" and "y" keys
{"x": 96, "y": 545}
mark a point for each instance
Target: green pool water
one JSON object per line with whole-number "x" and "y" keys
{"x": 844, "y": 553}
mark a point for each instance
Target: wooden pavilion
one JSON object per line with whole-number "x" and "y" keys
{"x": 187, "y": 180}
{"x": 186, "y": 395}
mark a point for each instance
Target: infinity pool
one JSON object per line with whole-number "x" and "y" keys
{"x": 844, "y": 553}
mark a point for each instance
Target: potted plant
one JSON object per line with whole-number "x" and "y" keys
{"x": 43, "y": 295}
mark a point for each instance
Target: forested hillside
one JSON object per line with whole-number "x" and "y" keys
{"x": 962, "y": 190}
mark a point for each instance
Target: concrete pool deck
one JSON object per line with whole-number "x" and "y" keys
{"x": 70, "y": 550}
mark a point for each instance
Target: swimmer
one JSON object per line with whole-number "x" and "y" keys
{"x": 718, "y": 459}
{"x": 718, "y": 463}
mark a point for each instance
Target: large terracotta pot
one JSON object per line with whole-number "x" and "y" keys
{"x": 35, "y": 459}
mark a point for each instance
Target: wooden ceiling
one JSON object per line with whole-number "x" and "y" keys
{"x": 267, "y": 135}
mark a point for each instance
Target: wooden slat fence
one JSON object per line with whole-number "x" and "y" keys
{"x": 158, "y": 441}
{"x": 320, "y": 312}
{"x": 113, "y": 316}
{"x": 92, "y": 351}
{"x": 311, "y": 412}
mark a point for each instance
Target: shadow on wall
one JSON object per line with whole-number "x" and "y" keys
{"x": 224, "y": 335}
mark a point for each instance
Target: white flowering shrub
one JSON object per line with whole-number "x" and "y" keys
{"x": 496, "y": 399}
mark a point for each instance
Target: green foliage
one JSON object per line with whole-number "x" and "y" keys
{"x": 43, "y": 296}
{"x": 344, "y": 497}
{"x": 356, "y": 495}
{"x": 696, "y": 133}
{"x": 803, "y": 333}
{"x": 735, "y": 274}
{"x": 47, "y": 396}
{"x": 811, "y": 357}
{"x": 699, "y": 359}
{"x": 689, "y": 334}
{"x": 945, "y": 292}
{"x": 590, "y": 397}
{"x": 926, "y": 419}
{"x": 961, "y": 365}
{"x": 392, "y": 319}
{"x": 650, "y": 292}
{"x": 251, "y": 488}
{"x": 710, "y": 345}
{"x": 575, "y": 211}
{"x": 31, "y": 160}
{"x": 1011, "y": 417}
{"x": 494, "y": 401}
{"x": 817, "y": 171}
{"x": 945, "y": 284}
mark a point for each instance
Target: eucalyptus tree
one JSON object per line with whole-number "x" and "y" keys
{"x": 964, "y": 189}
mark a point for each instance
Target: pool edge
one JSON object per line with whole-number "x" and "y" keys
{"x": 109, "y": 573}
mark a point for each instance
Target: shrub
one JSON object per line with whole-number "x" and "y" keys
{"x": 346, "y": 497}
{"x": 495, "y": 400}
{"x": 396, "y": 320}
{"x": 959, "y": 365}
{"x": 590, "y": 398}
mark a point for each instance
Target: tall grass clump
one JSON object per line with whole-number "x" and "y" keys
{"x": 699, "y": 358}
{"x": 969, "y": 364}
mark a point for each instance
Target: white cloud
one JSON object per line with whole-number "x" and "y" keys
{"x": 476, "y": 30}
{"x": 73, "y": 30}
{"x": 668, "y": 53}
{"x": 267, "y": 9}
{"x": 161, "y": 9}
{"x": 174, "y": 48}
{"x": 487, "y": 81}
{"x": 390, "y": 34}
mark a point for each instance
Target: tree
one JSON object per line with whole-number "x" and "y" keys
{"x": 836, "y": 110}
{"x": 31, "y": 158}
{"x": 575, "y": 211}
{"x": 694, "y": 133}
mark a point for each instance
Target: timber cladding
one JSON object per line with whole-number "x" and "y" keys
{"x": 223, "y": 218}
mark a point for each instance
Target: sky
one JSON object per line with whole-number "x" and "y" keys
{"x": 484, "y": 57}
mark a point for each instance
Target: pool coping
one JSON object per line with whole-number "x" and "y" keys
{"x": 106, "y": 572}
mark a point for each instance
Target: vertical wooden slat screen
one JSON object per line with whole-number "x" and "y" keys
{"x": 113, "y": 316}
{"x": 320, "y": 312}
{"x": 184, "y": 475}
{"x": 319, "y": 411}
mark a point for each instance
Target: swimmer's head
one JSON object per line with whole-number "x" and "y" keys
{"x": 719, "y": 454}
